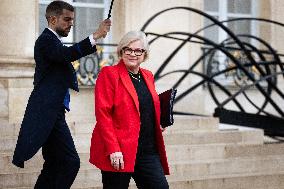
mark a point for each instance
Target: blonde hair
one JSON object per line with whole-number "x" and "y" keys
{"x": 131, "y": 37}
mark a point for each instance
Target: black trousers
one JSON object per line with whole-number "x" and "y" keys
{"x": 62, "y": 162}
{"x": 148, "y": 174}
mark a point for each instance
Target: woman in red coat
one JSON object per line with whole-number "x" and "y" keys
{"x": 127, "y": 140}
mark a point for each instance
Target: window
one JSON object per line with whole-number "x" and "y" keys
{"x": 225, "y": 10}
{"x": 88, "y": 15}
{"x": 230, "y": 9}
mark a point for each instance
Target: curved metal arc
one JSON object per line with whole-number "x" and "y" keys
{"x": 237, "y": 62}
{"x": 230, "y": 33}
{"x": 260, "y": 109}
{"x": 264, "y": 71}
{"x": 205, "y": 79}
{"x": 249, "y": 76}
{"x": 241, "y": 19}
{"x": 266, "y": 44}
{"x": 269, "y": 89}
{"x": 277, "y": 61}
{"x": 166, "y": 35}
{"x": 249, "y": 86}
{"x": 209, "y": 79}
{"x": 191, "y": 68}
{"x": 200, "y": 83}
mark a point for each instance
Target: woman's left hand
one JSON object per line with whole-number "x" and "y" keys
{"x": 163, "y": 129}
{"x": 116, "y": 160}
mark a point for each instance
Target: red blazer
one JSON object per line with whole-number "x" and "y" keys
{"x": 118, "y": 122}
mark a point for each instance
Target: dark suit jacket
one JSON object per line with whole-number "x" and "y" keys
{"x": 54, "y": 74}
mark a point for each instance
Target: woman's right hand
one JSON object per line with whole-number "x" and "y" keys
{"x": 116, "y": 160}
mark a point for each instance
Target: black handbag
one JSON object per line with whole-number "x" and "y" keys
{"x": 166, "y": 104}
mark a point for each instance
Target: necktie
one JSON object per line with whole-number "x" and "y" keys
{"x": 66, "y": 101}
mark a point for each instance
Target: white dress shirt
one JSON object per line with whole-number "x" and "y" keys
{"x": 92, "y": 41}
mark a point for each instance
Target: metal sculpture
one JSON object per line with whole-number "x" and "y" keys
{"x": 247, "y": 66}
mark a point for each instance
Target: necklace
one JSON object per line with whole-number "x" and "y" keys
{"x": 135, "y": 76}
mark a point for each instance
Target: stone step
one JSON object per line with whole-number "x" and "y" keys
{"x": 253, "y": 136}
{"x": 221, "y": 151}
{"x": 201, "y": 169}
{"x": 208, "y": 170}
{"x": 189, "y": 170}
{"x": 8, "y": 129}
{"x": 238, "y": 182}
{"x": 193, "y": 123}
{"x": 174, "y": 153}
{"x": 172, "y": 137}
{"x": 249, "y": 136}
{"x": 6, "y": 166}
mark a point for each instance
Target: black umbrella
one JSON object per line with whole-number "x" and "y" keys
{"x": 109, "y": 12}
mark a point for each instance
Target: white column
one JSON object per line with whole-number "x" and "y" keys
{"x": 18, "y": 32}
{"x": 18, "y": 20}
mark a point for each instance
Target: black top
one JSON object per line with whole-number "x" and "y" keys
{"x": 147, "y": 140}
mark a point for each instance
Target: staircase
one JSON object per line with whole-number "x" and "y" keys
{"x": 201, "y": 156}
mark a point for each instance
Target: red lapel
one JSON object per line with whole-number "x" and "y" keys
{"x": 128, "y": 83}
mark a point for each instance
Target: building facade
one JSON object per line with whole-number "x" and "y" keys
{"x": 22, "y": 21}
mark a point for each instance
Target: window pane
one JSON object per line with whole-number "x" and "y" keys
{"x": 211, "y": 5}
{"x": 212, "y": 32}
{"x": 239, "y": 6}
{"x": 42, "y": 19}
{"x": 240, "y": 27}
{"x": 86, "y": 22}
{"x": 89, "y": 1}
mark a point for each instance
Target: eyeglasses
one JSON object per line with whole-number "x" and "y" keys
{"x": 137, "y": 52}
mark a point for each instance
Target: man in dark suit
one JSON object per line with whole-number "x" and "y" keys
{"x": 44, "y": 122}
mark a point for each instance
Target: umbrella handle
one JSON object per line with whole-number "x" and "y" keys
{"x": 109, "y": 12}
